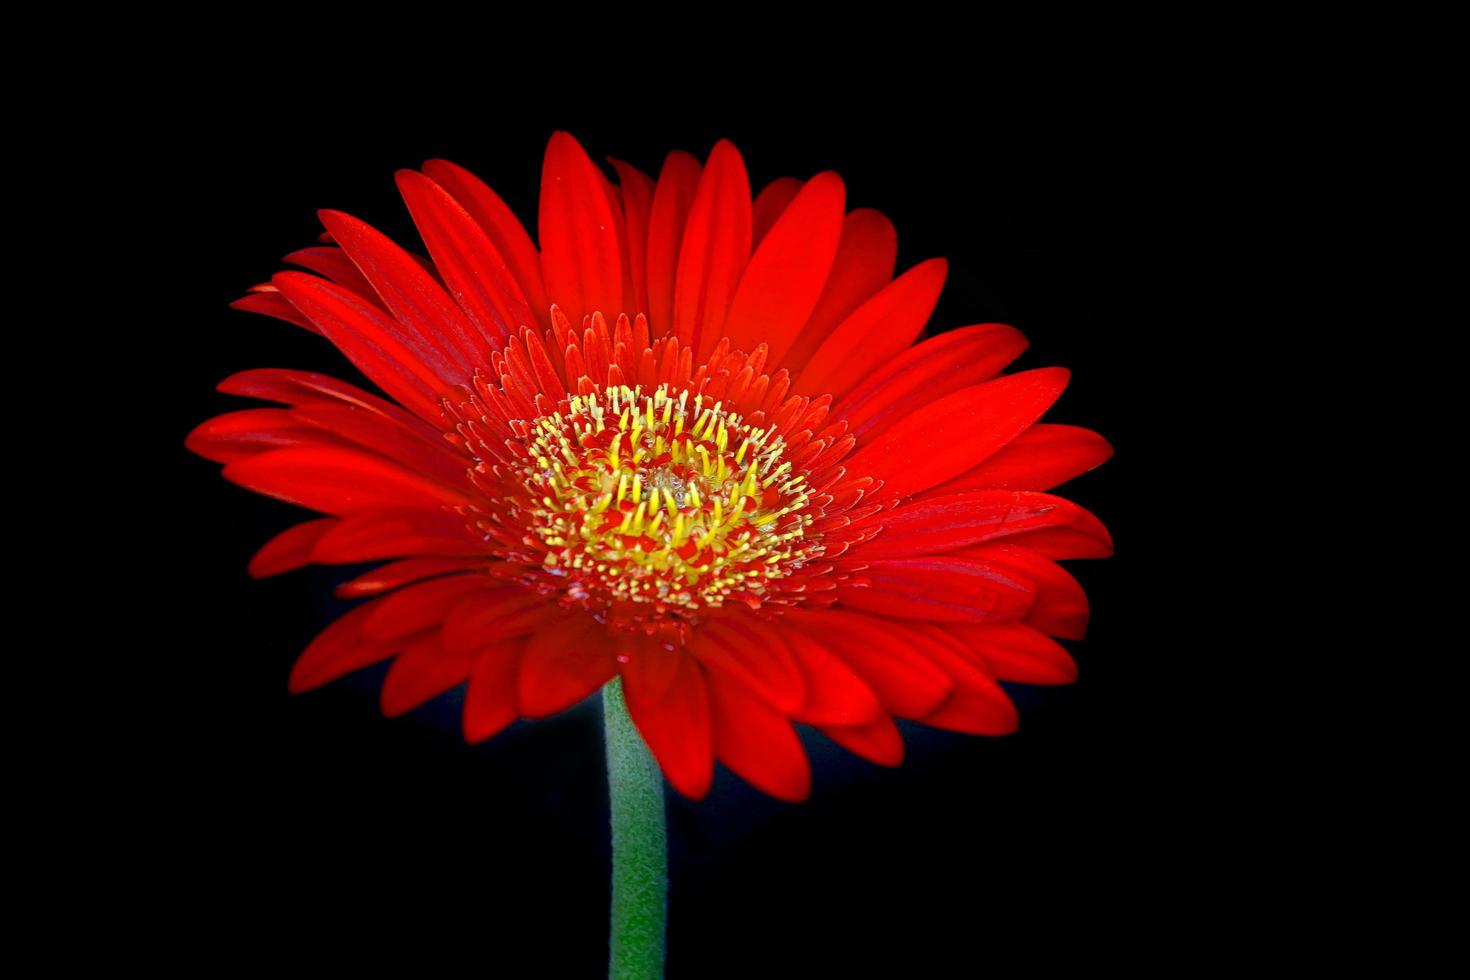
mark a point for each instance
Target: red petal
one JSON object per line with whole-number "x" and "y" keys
{"x": 377, "y": 534}
{"x": 770, "y": 204}
{"x": 473, "y": 271}
{"x": 878, "y": 741}
{"x": 757, "y": 743}
{"x": 410, "y": 293}
{"x": 947, "y": 437}
{"x": 714, "y": 252}
{"x": 943, "y": 588}
{"x": 754, "y": 656}
{"x": 649, "y": 666}
{"x": 937, "y": 524}
{"x": 672, "y": 198}
{"x": 1083, "y": 537}
{"x": 875, "y": 332}
{"x": 881, "y": 652}
{"x": 978, "y": 706}
{"x": 1061, "y": 607}
{"x": 411, "y": 373}
{"x": 927, "y": 371}
{"x": 1042, "y": 457}
{"x": 835, "y": 695}
{"x": 240, "y": 435}
{"x": 490, "y": 701}
{"x": 332, "y": 262}
{"x": 505, "y": 231}
{"x": 864, "y": 264}
{"x": 788, "y": 272}
{"x": 418, "y": 607}
{"x": 494, "y": 614}
{"x": 422, "y": 671}
{"x": 676, "y": 728}
{"x": 431, "y": 456}
{"x": 636, "y": 189}
{"x": 307, "y": 387}
{"x": 273, "y": 304}
{"x": 338, "y": 481}
{"x": 1017, "y": 652}
{"x": 580, "y": 254}
{"x": 339, "y": 650}
{"x": 395, "y": 575}
{"x": 562, "y": 664}
{"x": 289, "y": 550}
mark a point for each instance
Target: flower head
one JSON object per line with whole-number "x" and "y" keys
{"x": 689, "y": 440}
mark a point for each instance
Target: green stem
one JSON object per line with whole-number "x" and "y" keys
{"x": 640, "y": 875}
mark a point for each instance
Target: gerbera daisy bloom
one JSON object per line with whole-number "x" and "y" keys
{"x": 690, "y": 442}
{"x": 689, "y": 447}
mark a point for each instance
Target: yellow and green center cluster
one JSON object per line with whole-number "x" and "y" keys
{"x": 665, "y": 499}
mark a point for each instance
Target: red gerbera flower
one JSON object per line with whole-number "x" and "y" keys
{"x": 690, "y": 442}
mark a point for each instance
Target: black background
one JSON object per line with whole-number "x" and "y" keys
{"x": 285, "y": 816}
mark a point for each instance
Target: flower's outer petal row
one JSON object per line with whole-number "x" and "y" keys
{"x": 380, "y": 533}
{"x": 581, "y": 255}
{"x": 240, "y": 435}
{"x": 340, "y": 481}
{"x": 760, "y": 662}
{"x": 877, "y": 741}
{"x": 635, "y": 190}
{"x": 649, "y": 664}
{"x": 269, "y": 301}
{"x": 497, "y": 611}
{"x": 867, "y": 253}
{"x": 770, "y": 204}
{"x": 954, "y": 433}
{"x": 434, "y": 458}
{"x": 938, "y": 524}
{"x": 789, "y": 269}
{"x": 301, "y": 387}
{"x": 465, "y": 257}
{"x": 928, "y": 371}
{"x": 333, "y": 263}
{"x": 404, "y": 571}
{"x": 676, "y": 724}
{"x": 418, "y": 607}
{"x": 1084, "y": 537}
{"x": 699, "y": 235}
{"x": 941, "y": 676}
{"x": 427, "y": 316}
{"x": 234, "y": 436}
{"x": 1017, "y": 652}
{"x": 490, "y": 700}
{"x": 291, "y": 549}
{"x": 879, "y": 651}
{"x": 1060, "y": 607}
{"x": 504, "y": 229}
{"x": 678, "y": 182}
{"x": 876, "y": 332}
{"x": 411, "y": 373}
{"x": 714, "y": 252}
{"x": 337, "y": 651}
{"x": 1044, "y": 456}
{"x": 836, "y": 696}
{"x": 429, "y": 661}
{"x": 757, "y": 742}
{"x": 951, "y": 588}
{"x": 562, "y": 664}
{"x": 423, "y": 670}
{"x": 977, "y": 706}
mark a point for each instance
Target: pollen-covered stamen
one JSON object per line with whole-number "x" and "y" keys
{"x": 662, "y": 498}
